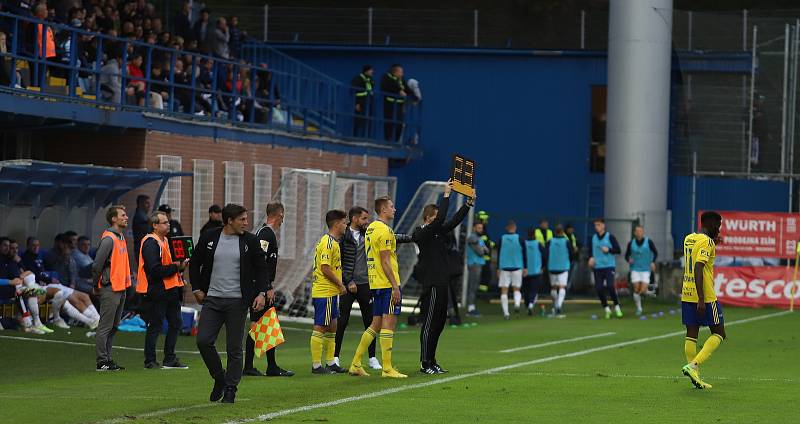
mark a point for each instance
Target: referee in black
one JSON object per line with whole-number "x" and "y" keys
{"x": 355, "y": 278}
{"x": 433, "y": 272}
{"x": 269, "y": 244}
{"x": 228, "y": 272}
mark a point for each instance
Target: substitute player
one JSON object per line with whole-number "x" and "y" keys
{"x": 384, "y": 281}
{"x": 325, "y": 291}
{"x": 559, "y": 253}
{"x": 511, "y": 266}
{"x": 641, "y": 254}
{"x": 698, "y": 299}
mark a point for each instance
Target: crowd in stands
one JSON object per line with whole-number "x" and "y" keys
{"x": 141, "y": 44}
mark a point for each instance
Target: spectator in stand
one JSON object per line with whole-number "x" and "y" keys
{"x": 76, "y": 305}
{"x": 237, "y": 37}
{"x": 47, "y": 50}
{"x": 82, "y": 258}
{"x": 181, "y": 23}
{"x": 111, "y": 79}
{"x": 175, "y": 229}
{"x": 214, "y": 219}
{"x": 160, "y": 82}
{"x": 363, "y": 86}
{"x": 393, "y": 102}
{"x": 219, "y": 39}
{"x": 201, "y": 30}
{"x": 267, "y": 94}
{"x": 141, "y": 223}
{"x": 184, "y": 95}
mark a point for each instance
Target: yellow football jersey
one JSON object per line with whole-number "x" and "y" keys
{"x": 698, "y": 248}
{"x": 327, "y": 253}
{"x": 380, "y": 238}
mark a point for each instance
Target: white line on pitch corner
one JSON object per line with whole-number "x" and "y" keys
{"x": 556, "y": 342}
{"x": 290, "y": 411}
{"x": 65, "y": 342}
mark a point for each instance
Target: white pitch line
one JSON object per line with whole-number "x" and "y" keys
{"x": 665, "y": 377}
{"x": 556, "y": 342}
{"x": 281, "y": 413}
{"x": 65, "y": 342}
{"x": 163, "y": 412}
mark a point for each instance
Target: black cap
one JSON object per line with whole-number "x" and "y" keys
{"x": 215, "y": 209}
{"x": 165, "y": 209}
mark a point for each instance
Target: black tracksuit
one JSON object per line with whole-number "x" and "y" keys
{"x": 266, "y": 236}
{"x": 434, "y": 273}
{"x": 159, "y": 303}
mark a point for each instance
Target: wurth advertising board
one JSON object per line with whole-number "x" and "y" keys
{"x": 759, "y": 234}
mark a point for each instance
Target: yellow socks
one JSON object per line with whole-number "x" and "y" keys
{"x": 317, "y": 342}
{"x": 387, "y": 340}
{"x": 330, "y": 347}
{"x": 690, "y": 349}
{"x": 709, "y": 347}
{"x": 366, "y": 339}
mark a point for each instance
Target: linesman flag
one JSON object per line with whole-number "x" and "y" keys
{"x": 266, "y": 332}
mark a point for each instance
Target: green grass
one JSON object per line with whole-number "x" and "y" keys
{"x": 755, "y": 373}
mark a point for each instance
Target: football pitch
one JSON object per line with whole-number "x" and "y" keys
{"x": 528, "y": 369}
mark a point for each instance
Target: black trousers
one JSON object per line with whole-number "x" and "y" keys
{"x": 167, "y": 306}
{"x": 393, "y": 117}
{"x": 363, "y": 296}
{"x": 217, "y": 312}
{"x": 250, "y": 345}
{"x": 433, "y": 308}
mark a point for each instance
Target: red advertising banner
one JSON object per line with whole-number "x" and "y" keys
{"x": 755, "y": 286}
{"x": 759, "y": 234}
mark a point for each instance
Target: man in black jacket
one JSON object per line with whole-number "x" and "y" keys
{"x": 393, "y": 103}
{"x": 214, "y": 219}
{"x": 433, "y": 272}
{"x": 355, "y": 278}
{"x": 363, "y": 101}
{"x": 269, "y": 244}
{"x": 160, "y": 283}
{"x": 229, "y": 274}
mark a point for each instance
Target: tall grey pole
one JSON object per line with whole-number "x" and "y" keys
{"x": 475, "y": 28}
{"x": 694, "y": 190}
{"x": 752, "y": 94}
{"x": 583, "y": 29}
{"x": 637, "y": 132}
{"x": 266, "y": 21}
{"x": 369, "y": 26}
{"x": 786, "y": 42}
{"x": 691, "y": 22}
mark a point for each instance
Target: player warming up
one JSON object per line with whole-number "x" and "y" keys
{"x": 384, "y": 281}
{"x": 325, "y": 291}
{"x": 698, "y": 299}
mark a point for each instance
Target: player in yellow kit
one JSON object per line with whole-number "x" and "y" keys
{"x": 325, "y": 291}
{"x": 698, "y": 299}
{"x": 384, "y": 281}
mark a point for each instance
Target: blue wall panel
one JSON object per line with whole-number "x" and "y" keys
{"x": 525, "y": 119}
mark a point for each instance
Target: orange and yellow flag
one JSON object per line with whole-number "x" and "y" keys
{"x": 266, "y": 332}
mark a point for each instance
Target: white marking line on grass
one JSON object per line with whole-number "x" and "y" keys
{"x": 137, "y": 349}
{"x": 273, "y": 415}
{"x": 555, "y": 342}
{"x": 128, "y": 418}
{"x": 665, "y": 377}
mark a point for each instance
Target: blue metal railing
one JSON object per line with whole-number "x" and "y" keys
{"x": 273, "y": 91}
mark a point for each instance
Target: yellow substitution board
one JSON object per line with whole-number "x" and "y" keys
{"x": 463, "y": 175}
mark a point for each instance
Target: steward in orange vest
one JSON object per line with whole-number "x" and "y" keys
{"x": 112, "y": 271}
{"x": 159, "y": 281}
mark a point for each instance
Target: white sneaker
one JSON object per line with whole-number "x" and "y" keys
{"x": 45, "y": 329}
{"x": 374, "y": 364}
{"x": 94, "y": 324}
{"x": 60, "y": 323}
{"x": 336, "y": 360}
{"x": 33, "y": 330}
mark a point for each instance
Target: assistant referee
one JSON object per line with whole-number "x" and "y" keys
{"x": 432, "y": 271}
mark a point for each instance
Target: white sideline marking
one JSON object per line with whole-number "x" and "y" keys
{"x": 276, "y": 414}
{"x": 555, "y": 342}
{"x": 137, "y": 349}
{"x": 128, "y": 418}
{"x": 665, "y": 377}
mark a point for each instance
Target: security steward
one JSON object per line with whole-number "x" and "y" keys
{"x": 394, "y": 100}
{"x": 160, "y": 283}
{"x": 362, "y": 85}
{"x": 434, "y": 275}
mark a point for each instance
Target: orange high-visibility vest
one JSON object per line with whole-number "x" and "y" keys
{"x": 172, "y": 281}
{"x": 50, "y": 50}
{"x": 120, "y": 272}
